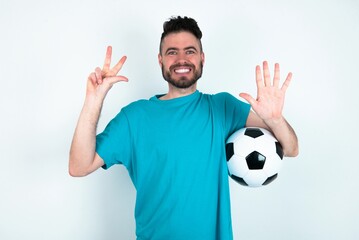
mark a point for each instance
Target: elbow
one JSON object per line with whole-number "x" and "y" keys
{"x": 76, "y": 173}
{"x": 75, "y": 170}
{"x": 73, "y": 173}
{"x": 294, "y": 152}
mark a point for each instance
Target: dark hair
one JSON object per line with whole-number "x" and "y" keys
{"x": 181, "y": 24}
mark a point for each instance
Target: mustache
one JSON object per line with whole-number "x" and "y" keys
{"x": 177, "y": 65}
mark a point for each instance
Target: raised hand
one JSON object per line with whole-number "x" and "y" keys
{"x": 101, "y": 80}
{"x": 270, "y": 96}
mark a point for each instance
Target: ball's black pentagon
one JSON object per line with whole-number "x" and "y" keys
{"x": 279, "y": 150}
{"x": 229, "y": 150}
{"x": 255, "y": 161}
{"x": 253, "y": 132}
{"x": 270, "y": 179}
{"x": 239, "y": 180}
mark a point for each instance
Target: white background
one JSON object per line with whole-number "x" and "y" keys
{"x": 49, "y": 48}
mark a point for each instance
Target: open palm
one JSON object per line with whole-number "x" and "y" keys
{"x": 270, "y": 97}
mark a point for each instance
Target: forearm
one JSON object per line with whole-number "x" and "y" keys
{"x": 286, "y": 135}
{"x": 83, "y": 147}
{"x": 83, "y": 158}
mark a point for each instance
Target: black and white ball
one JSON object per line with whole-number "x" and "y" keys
{"x": 254, "y": 157}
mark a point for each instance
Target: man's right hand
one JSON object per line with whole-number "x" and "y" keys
{"x": 83, "y": 158}
{"x": 101, "y": 80}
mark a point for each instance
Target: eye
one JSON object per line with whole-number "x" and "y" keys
{"x": 190, "y": 52}
{"x": 172, "y": 52}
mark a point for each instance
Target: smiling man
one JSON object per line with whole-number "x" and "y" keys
{"x": 181, "y": 58}
{"x": 173, "y": 145}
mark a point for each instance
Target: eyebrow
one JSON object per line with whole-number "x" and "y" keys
{"x": 186, "y": 48}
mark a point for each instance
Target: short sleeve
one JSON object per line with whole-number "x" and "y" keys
{"x": 113, "y": 144}
{"x": 236, "y": 113}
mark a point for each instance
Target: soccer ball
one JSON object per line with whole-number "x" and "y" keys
{"x": 254, "y": 157}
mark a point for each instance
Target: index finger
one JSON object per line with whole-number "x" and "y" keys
{"x": 119, "y": 65}
{"x": 259, "y": 80}
{"x": 286, "y": 82}
{"x": 107, "y": 63}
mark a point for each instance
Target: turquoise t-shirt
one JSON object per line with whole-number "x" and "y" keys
{"x": 174, "y": 151}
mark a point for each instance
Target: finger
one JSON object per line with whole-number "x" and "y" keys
{"x": 266, "y": 74}
{"x": 249, "y": 99}
{"x": 259, "y": 79}
{"x": 106, "y": 65}
{"x": 98, "y": 74}
{"x": 276, "y": 75}
{"x": 92, "y": 78}
{"x": 119, "y": 65}
{"x": 287, "y": 82}
{"x": 113, "y": 80}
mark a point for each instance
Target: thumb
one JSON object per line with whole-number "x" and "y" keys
{"x": 116, "y": 79}
{"x": 248, "y": 98}
{"x": 109, "y": 82}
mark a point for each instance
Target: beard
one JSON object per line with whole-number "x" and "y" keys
{"x": 183, "y": 82}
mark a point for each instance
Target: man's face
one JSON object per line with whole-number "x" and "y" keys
{"x": 181, "y": 59}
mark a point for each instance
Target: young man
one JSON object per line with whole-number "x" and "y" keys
{"x": 173, "y": 145}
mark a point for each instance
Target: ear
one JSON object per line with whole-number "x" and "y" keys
{"x": 202, "y": 58}
{"x": 160, "y": 59}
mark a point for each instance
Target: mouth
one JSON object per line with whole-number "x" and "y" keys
{"x": 182, "y": 70}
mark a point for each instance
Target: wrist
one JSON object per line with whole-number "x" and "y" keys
{"x": 93, "y": 100}
{"x": 275, "y": 122}
{"x": 92, "y": 107}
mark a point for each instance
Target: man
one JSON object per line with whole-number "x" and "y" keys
{"x": 173, "y": 145}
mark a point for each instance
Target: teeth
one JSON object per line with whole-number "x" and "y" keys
{"x": 182, "y": 70}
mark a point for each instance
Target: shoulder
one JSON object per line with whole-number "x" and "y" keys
{"x": 137, "y": 104}
{"x": 140, "y": 108}
{"x": 217, "y": 96}
{"x": 221, "y": 98}
{"x": 223, "y": 95}
{"x": 229, "y": 103}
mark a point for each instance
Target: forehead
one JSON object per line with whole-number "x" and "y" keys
{"x": 180, "y": 40}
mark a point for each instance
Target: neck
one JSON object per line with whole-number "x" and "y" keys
{"x": 174, "y": 92}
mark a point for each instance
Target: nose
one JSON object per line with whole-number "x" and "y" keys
{"x": 182, "y": 58}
